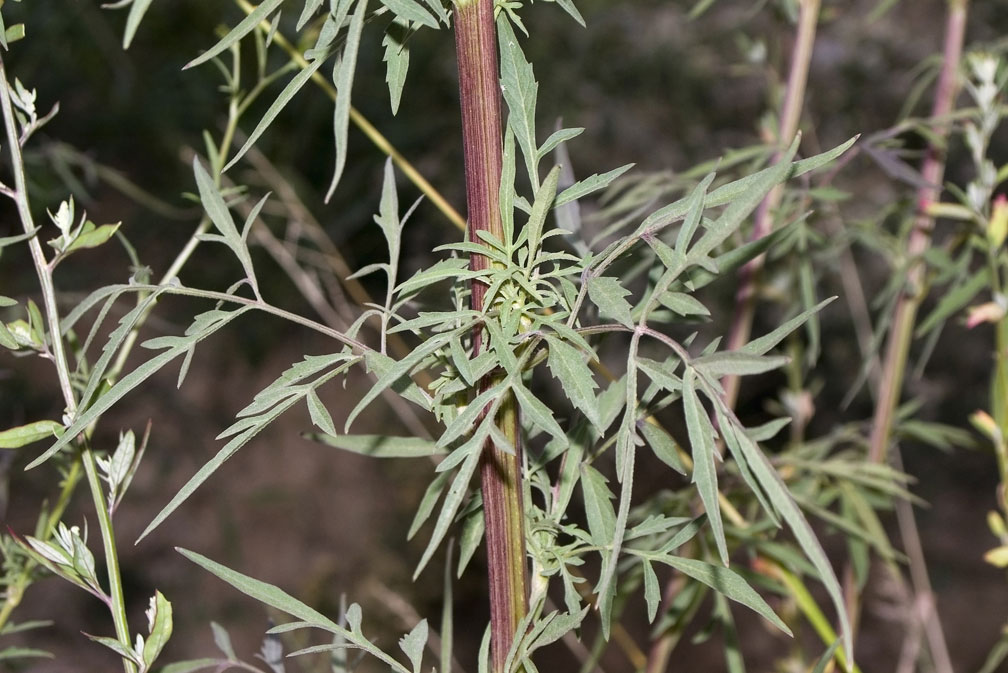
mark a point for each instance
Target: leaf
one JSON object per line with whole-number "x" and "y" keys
{"x": 598, "y": 506}
{"x": 396, "y": 66}
{"x": 567, "y": 366}
{"x": 557, "y": 138}
{"x": 777, "y": 492}
{"x": 701, "y": 437}
{"x": 410, "y": 10}
{"x": 538, "y": 413}
{"x": 246, "y": 26}
{"x": 729, "y": 583}
{"x": 159, "y": 617}
{"x": 413, "y": 644}
{"x": 28, "y": 433}
{"x": 540, "y": 208}
{"x": 607, "y": 293}
{"x": 216, "y": 208}
{"x": 263, "y": 592}
{"x": 737, "y": 363}
{"x": 456, "y": 493}
{"x": 664, "y": 447}
{"x": 519, "y": 88}
{"x": 381, "y": 446}
{"x": 652, "y": 594}
{"x": 136, "y": 14}
{"x": 281, "y": 101}
{"x": 319, "y": 414}
{"x": 767, "y": 341}
{"x": 343, "y": 77}
{"x": 590, "y": 184}
{"x": 122, "y": 387}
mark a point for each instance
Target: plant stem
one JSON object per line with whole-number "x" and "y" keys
{"x": 932, "y": 174}
{"x": 58, "y": 354}
{"x": 791, "y": 108}
{"x": 503, "y": 509}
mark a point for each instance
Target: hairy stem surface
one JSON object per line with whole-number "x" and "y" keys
{"x": 503, "y": 510}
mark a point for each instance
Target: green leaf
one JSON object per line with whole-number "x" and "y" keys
{"x": 729, "y": 583}
{"x": 396, "y": 66}
{"x": 598, "y": 505}
{"x": 767, "y": 341}
{"x": 683, "y": 304}
{"x": 246, "y": 26}
{"x": 92, "y": 236}
{"x": 343, "y": 77}
{"x": 540, "y": 208}
{"x": 319, "y": 414}
{"x": 410, "y": 10}
{"x": 216, "y": 208}
{"x": 136, "y": 14}
{"x": 557, "y": 138}
{"x": 126, "y": 384}
{"x": 28, "y": 433}
{"x": 263, "y": 592}
{"x": 737, "y": 363}
{"x": 519, "y": 87}
{"x": 381, "y": 446}
{"x": 701, "y": 436}
{"x": 777, "y": 492}
{"x": 590, "y": 184}
{"x": 652, "y": 593}
{"x": 456, "y": 492}
{"x": 664, "y": 447}
{"x": 569, "y": 368}
{"x": 159, "y": 617}
{"x": 281, "y": 101}
{"x": 413, "y": 644}
{"x": 607, "y": 293}
{"x": 538, "y": 413}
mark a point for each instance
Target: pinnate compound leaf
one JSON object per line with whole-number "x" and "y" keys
{"x": 576, "y": 380}
{"x": 701, "y": 437}
{"x": 244, "y": 27}
{"x": 729, "y": 583}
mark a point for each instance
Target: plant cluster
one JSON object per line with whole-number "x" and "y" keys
{"x": 499, "y": 356}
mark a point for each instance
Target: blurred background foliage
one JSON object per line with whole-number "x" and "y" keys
{"x": 651, "y": 86}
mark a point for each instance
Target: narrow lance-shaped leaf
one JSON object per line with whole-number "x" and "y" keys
{"x": 285, "y": 97}
{"x": 136, "y": 14}
{"x": 244, "y": 27}
{"x": 576, "y": 380}
{"x": 519, "y": 87}
{"x": 701, "y": 436}
{"x": 343, "y": 76}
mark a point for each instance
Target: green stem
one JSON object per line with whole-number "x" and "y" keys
{"x": 503, "y": 509}
{"x": 44, "y": 270}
